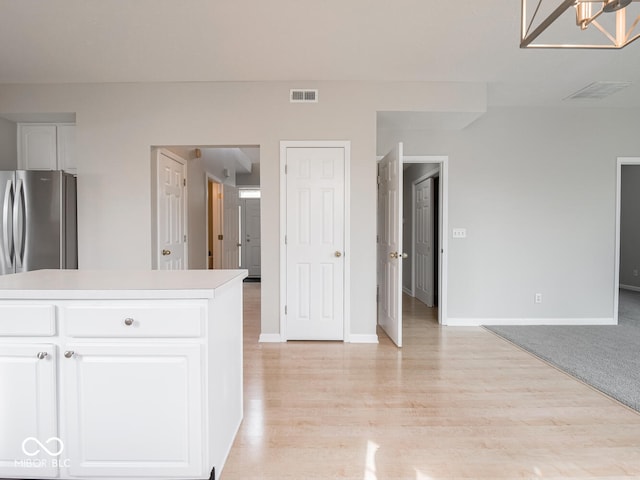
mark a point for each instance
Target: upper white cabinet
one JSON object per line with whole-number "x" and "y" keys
{"x": 66, "y": 137}
{"x": 49, "y": 146}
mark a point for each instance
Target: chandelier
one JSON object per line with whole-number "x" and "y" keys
{"x": 602, "y": 24}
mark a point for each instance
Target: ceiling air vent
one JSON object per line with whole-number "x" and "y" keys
{"x": 598, "y": 90}
{"x": 297, "y": 95}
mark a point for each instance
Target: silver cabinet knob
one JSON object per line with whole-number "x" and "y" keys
{"x": 69, "y": 353}
{"x": 128, "y": 321}
{"x": 338, "y": 254}
{"x": 42, "y": 355}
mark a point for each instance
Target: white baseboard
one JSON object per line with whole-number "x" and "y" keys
{"x": 363, "y": 338}
{"x": 270, "y": 338}
{"x": 476, "y": 322}
{"x": 407, "y": 291}
{"x": 630, "y": 287}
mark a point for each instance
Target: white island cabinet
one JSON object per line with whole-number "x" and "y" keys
{"x": 119, "y": 375}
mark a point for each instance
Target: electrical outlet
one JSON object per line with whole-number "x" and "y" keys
{"x": 459, "y": 233}
{"x": 538, "y": 298}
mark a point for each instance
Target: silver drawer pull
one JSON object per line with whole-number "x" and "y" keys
{"x": 128, "y": 321}
{"x": 42, "y": 355}
{"x": 69, "y": 353}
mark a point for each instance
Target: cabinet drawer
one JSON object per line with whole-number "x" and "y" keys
{"x": 27, "y": 320}
{"x": 134, "y": 320}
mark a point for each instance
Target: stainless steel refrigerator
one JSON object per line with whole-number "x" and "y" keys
{"x": 38, "y": 221}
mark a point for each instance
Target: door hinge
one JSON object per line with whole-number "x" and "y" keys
{"x": 285, "y": 239}
{"x": 285, "y": 169}
{"x": 285, "y": 309}
{"x": 377, "y": 238}
{"x": 219, "y": 196}
{"x": 184, "y": 182}
{"x": 220, "y": 237}
{"x": 379, "y": 180}
{"x": 185, "y": 238}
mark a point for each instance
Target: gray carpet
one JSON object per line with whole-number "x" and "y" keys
{"x": 605, "y": 357}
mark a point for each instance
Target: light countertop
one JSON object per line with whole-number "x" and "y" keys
{"x": 118, "y": 284}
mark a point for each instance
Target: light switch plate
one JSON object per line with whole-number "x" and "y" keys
{"x": 459, "y": 233}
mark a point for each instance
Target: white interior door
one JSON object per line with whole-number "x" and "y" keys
{"x": 390, "y": 244}
{"x": 171, "y": 208}
{"x": 231, "y": 228}
{"x": 250, "y": 236}
{"x": 315, "y": 232}
{"x": 424, "y": 209}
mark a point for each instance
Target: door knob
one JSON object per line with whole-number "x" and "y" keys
{"x": 405, "y": 255}
{"x": 166, "y": 252}
{"x": 338, "y": 254}
{"x": 69, "y": 353}
{"x": 393, "y": 255}
{"x": 42, "y": 355}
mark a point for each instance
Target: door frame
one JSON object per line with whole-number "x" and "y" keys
{"x": 616, "y": 276}
{"x": 346, "y": 145}
{"x": 155, "y": 210}
{"x": 443, "y": 161}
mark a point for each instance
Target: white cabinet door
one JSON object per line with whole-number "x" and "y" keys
{"x": 37, "y": 147}
{"x": 29, "y": 447}
{"x": 133, "y": 410}
{"x": 66, "y": 136}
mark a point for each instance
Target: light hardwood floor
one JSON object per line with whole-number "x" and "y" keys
{"x": 452, "y": 403}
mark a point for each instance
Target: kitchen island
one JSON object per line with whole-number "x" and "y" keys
{"x": 119, "y": 374}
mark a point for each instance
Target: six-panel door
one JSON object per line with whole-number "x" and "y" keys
{"x": 133, "y": 410}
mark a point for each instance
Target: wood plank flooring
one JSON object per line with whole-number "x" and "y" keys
{"x": 453, "y": 403}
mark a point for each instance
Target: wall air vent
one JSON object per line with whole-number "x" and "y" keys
{"x": 598, "y": 90}
{"x": 297, "y": 95}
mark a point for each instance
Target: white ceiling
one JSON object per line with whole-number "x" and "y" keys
{"x": 243, "y": 40}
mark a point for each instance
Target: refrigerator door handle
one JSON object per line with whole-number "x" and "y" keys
{"x": 7, "y": 208}
{"x": 19, "y": 223}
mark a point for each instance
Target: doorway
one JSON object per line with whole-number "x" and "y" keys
{"x": 626, "y": 305}
{"x": 250, "y": 243}
{"x": 411, "y": 265}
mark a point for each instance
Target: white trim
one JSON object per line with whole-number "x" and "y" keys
{"x": 630, "y": 287}
{"x": 407, "y": 291}
{"x": 476, "y": 322}
{"x": 270, "y": 338}
{"x": 363, "y": 338}
{"x": 346, "y": 145}
{"x": 616, "y": 275}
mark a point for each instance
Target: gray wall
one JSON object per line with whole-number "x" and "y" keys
{"x": 630, "y": 226}
{"x": 409, "y": 175}
{"x": 535, "y": 189}
{"x": 251, "y": 179}
{"x": 8, "y": 145}
{"x": 117, "y": 123}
